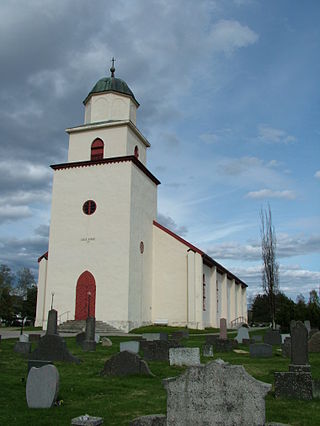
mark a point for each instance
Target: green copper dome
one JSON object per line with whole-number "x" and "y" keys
{"x": 111, "y": 84}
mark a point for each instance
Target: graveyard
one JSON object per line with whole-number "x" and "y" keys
{"x": 120, "y": 399}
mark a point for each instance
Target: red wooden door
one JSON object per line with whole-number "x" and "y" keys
{"x": 85, "y": 295}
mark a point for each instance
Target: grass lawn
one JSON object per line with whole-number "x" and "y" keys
{"x": 119, "y": 400}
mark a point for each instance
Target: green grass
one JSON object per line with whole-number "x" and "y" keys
{"x": 119, "y": 400}
{"x": 170, "y": 330}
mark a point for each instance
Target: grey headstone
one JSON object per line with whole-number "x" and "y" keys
{"x": 24, "y": 338}
{"x": 89, "y": 345}
{"x": 42, "y": 387}
{"x": 53, "y": 348}
{"x": 131, "y": 346}
{"x": 295, "y": 385}
{"x": 243, "y": 333}
{"x": 257, "y": 338}
{"x": 87, "y": 420}
{"x": 224, "y": 345}
{"x": 272, "y": 337}
{"x": 299, "y": 344}
{"x": 125, "y": 363}
{"x": 207, "y": 350}
{"x": 97, "y": 338}
{"x": 23, "y": 348}
{"x": 52, "y": 327}
{"x": 37, "y": 363}
{"x": 307, "y": 325}
{"x": 314, "y": 343}
{"x": 184, "y": 356}
{"x": 284, "y": 336}
{"x": 105, "y": 341}
{"x": 80, "y": 338}
{"x": 223, "y": 329}
{"x": 90, "y": 328}
{"x": 157, "y": 350}
{"x": 215, "y": 394}
{"x": 151, "y": 420}
{"x": 260, "y": 350}
{"x": 149, "y": 337}
{"x": 286, "y": 348}
{"x": 34, "y": 337}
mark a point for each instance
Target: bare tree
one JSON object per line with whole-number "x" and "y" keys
{"x": 270, "y": 267}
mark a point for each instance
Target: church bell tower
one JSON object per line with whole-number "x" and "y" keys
{"x": 104, "y": 202}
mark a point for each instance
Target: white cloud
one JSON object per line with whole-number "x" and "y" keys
{"x": 229, "y": 35}
{"x": 169, "y": 223}
{"x": 317, "y": 174}
{"x": 269, "y": 134}
{"x": 14, "y": 213}
{"x": 269, "y": 193}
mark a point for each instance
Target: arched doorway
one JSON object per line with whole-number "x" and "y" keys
{"x": 85, "y": 296}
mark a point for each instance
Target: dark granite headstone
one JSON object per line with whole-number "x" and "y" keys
{"x": 260, "y": 350}
{"x": 37, "y": 363}
{"x": 314, "y": 343}
{"x": 52, "y": 327}
{"x": 211, "y": 338}
{"x": 248, "y": 341}
{"x": 157, "y": 350}
{"x": 34, "y": 337}
{"x": 80, "y": 337}
{"x": 89, "y": 343}
{"x": 23, "y": 348}
{"x": 286, "y": 348}
{"x": 293, "y": 385}
{"x": 299, "y": 346}
{"x": 181, "y": 334}
{"x": 125, "y": 363}
{"x": 224, "y": 345}
{"x": 53, "y": 348}
{"x": 151, "y": 420}
{"x": 257, "y": 338}
{"x": 272, "y": 337}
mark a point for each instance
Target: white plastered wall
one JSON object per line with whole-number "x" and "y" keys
{"x": 244, "y": 303}
{"x": 224, "y": 297}
{"x": 98, "y": 243}
{"x": 118, "y": 141}
{"x": 42, "y": 282}
{"x": 195, "y": 277}
{"x": 206, "y": 314}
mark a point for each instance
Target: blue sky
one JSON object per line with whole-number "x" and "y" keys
{"x": 229, "y": 98}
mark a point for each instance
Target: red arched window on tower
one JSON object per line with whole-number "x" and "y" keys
{"x": 136, "y": 151}
{"x": 97, "y": 149}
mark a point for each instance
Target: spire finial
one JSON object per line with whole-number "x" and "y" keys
{"x": 112, "y": 69}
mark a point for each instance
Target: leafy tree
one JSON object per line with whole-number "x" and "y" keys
{"x": 300, "y": 308}
{"x": 30, "y": 303}
{"x": 25, "y": 281}
{"x": 270, "y": 269}
{"x": 285, "y": 311}
{"x": 6, "y": 280}
{"x": 260, "y": 309}
{"x": 313, "y": 308}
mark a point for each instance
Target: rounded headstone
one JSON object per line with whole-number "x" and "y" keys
{"x": 42, "y": 386}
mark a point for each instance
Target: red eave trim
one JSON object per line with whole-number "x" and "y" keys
{"x": 191, "y": 246}
{"x": 44, "y": 256}
{"x": 131, "y": 158}
{"x": 207, "y": 260}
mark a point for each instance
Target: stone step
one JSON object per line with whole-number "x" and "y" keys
{"x": 76, "y": 326}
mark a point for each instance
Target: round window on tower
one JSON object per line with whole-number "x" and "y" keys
{"x": 89, "y": 207}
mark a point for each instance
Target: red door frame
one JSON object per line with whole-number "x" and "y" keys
{"x": 85, "y": 294}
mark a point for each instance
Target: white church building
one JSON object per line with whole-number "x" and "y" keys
{"x": 108, "y": 256}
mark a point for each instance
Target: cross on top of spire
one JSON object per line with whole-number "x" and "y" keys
{"x": 112, "y": 69}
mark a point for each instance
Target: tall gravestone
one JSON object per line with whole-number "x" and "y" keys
{"x": 299, "y": 347}
{"x": 223, "y": 329}
{"x": 52, "y": 325}
{"x": 89, "y": 343}
{"x": 216, "y": 393}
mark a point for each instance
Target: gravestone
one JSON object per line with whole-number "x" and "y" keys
{"x": 286, "y": 348}
{"x": 207, "y": 350}
{"x": 223, "y": 329}
{"x": 272, "y": 337}
{"x": 131, "y": 346}
{"x": 42, "y": 387}
{"x": 34, "y": 337}
{"x": 284, "y": 336}
{"x": 151, "y": 420}
{"x": 97, "y": 338}
{"x": 243, "y": 333}
{"x": 313, "y": 331}
{"x": 149, "y": 337}
{"x": 52, "y": 327}
{"x": 24, "y": 338}
{"x": 87, "y": 420}
{"x": 307, "y": 325}
{"x": 211, "y": 339}
{"x": 294, "y": 385}
{"x": 257, "y": 338}
{"x": 52, "y": 348}
{"x": 184, "y": 356}
{"x": 248, "y": 341}
{"x": 80, "y": 337}
{"x": 260, "y": 350}
{"x": 181, "y": 334}
{"x": 89, "y": 343}
{"x": 216, "y": 393}
{"x": 37, "y": 363}
{"x": 125, "y": 363}
{"x": 299, "y": 347}
{"x": 105, "y": 341}
{"x": 157, "y": 350}
{"x": 224, "y": 345}
{"x": 23, "y": 348}
{"x": 314, "y": 343}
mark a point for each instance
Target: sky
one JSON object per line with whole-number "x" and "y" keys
{"x": 229, "y": 100}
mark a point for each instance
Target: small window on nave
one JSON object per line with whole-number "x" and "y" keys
{"x": 136, "y": 151}
{"x": 97, "y": 147}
